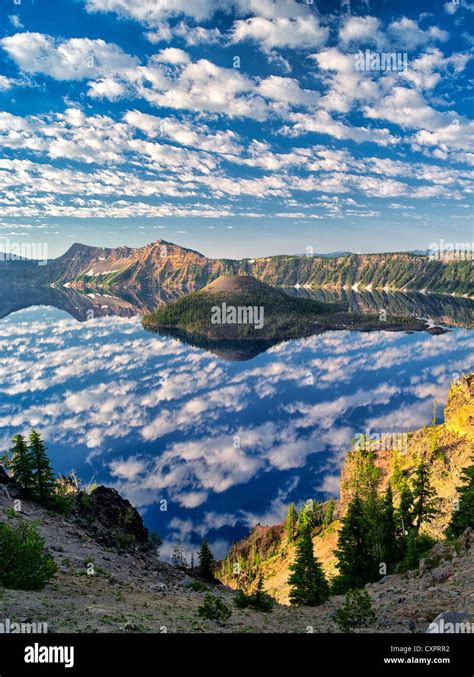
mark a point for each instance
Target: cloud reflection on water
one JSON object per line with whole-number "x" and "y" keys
{"x": 226, "y": 443}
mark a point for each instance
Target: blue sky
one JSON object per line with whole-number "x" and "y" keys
{"x": 236, "y": 127}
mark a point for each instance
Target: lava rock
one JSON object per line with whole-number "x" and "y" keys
{"x": 111, "y": 519}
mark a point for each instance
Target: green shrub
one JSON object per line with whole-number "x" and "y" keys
{"x": 61, "y": 504}
{"x": 155, "y": 540}
{"x": 356, "y": 611}
{"x": 241, "y": 600}
{"x": 85, "y": 500}
{"x": 417, "y": 546}
{"x": 257, "y": 600}
{"x": 197, "y": 586}
{"x": 214, "y": 609}
{"x": 24, "y": 564}
{"x": 123, "y": 541}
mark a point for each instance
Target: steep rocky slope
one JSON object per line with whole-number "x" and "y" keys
{"x": 450, "y": 447}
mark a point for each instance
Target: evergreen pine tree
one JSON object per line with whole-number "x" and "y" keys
{"x": 21, "y": 463}
{"x": 329, "y": 514}
{"x": 405, "y": 510}
{"x": 435, "y": 418}
{"x": 397, "y": 478}
{"x": 308, "y": 583}
{"x": 43, "y": 476}
{"x": 424, "y": 495}
{"x": 206, "y": 561}
{"x": 463, "y": 515}
{"x": 387, "y": 531}
{"x": 291, "y": 519}
{"x": 434, "y": 444}
{"x": 301, "y": 521}
{"x": 259, "y": 600}
{"x": 356, "y": 552}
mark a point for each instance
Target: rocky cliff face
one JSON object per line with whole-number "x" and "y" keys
{"x": 163, "y": 264}
{"x": 159, "y": 264}
{"x": 449, "y": 446}
{"x": 110, "y": 519}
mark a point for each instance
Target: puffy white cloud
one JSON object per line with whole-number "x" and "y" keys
{"x": 406, "y": 34}
{"x": 288, "y": 91}
{"x": 5, "y": 83}
{"x": 161, "y": 33}
{"x": 321, "y": 122}
{"x": 107, "y": 88}
{"x": 345, "y": 84}
{"x": 173, "y": 55}
{"x": 408, "y": 109}
{"x": 101, "y": 139}
{"x": 184, "y": 133}
{"x": 365, "y": 29}
{"x": 453, "y": 135}
{"x": 198, "y": 35}
{"x": 450, "y": 7}
{"x": 68, "y": 135}
{"x": 156, "y": 12}
{"x": 425, "y": 72}
{"x": 330, "y": 485}
{"x": 127, "y": 468}
{"x": 150, "y": 12}
{"x": 304, "y": 32}
{"x": 271, "y": 9}
{"x": 202, "y": 86}
{"x": 259, "y": 154}
{"x": 73, "y": 59}
{"x": 405, "y": 107}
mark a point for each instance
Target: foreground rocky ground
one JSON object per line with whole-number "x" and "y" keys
{"x": 133, "y": 591}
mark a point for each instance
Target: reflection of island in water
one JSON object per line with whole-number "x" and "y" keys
{"x": 233, "y": 351}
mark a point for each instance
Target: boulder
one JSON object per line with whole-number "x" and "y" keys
{"x": 409, "y": 624}
{"x": 468, "y": 538}
{"x": 437, "y": 576}
{"x": 110, "y": 519}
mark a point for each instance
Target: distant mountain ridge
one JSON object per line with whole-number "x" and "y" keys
{"x": 164, "y": 264}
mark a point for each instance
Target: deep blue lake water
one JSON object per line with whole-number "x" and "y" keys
{"x": 226, "y": 444}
